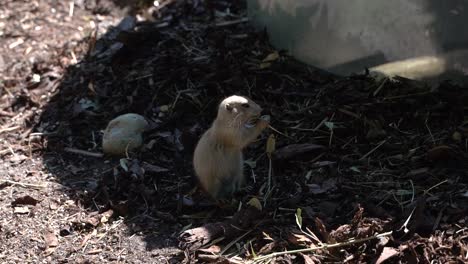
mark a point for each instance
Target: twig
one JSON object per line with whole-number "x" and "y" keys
{"x": 374, "y": 149}
{"x": 326, "y": 246}
{"x": 24, "y": 184}
{"x": 9, "y": 129}
{"x": 311, "y": 129}
{"x": 381, "y": 86}
{"x": 5, "y": 113}
{"x": 84, "y": 152}
{"x": 406, "y": 95}
{"x": 114, "y": 226}
{"x": 274, "y": 129}
{"x": 271, "y": 142}
{"x": 232, "y": 22}
{"x": 4, "y": 151}
{"x": 439, "y": 217}
{"x": 16, "y": 43}
{"x": 437, "y": 185}
{"x": 71, "y": 9}
{"x": 74, "y": 60}
{"x": 430, "y": 132}
{"x": 347, "y": 112}
{"x": 233, "y": 242}
{"x": 269, "y": 180}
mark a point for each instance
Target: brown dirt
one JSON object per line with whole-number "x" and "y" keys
{"x": 359, "y": 157}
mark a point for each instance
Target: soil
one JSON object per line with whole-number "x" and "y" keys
{"x": 378, "y": 168}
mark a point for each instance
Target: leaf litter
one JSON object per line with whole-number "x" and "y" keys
{"x": 377, "y": 170}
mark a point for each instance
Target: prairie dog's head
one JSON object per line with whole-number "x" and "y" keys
{"x": 238, "y": 110}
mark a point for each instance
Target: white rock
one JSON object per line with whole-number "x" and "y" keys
{"x": 124, "y": 133}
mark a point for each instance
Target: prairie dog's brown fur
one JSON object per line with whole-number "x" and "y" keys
{"x": 218, "y": 159}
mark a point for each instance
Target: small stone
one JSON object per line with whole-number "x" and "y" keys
{"x": 124, "y": 133}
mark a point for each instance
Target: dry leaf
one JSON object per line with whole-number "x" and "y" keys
{"x": 299, "y": 239}
{"x": 267, "y": 236}
{"x": 106, "y": 215}
{"x": 212, "y": 249}
{"x": 51, "y": 243}
{"x": 268, "y": 59}
{"x": 123, "y": 164}
{"x": 271, "y": 57}
{"x": 322, "y": 229}
{"x": 255, "y": 203}
{"x": 266, "y": 249}
{"x": 270, "y": 147}
{"x": 53, "y": 205}
{"x": 93, "y": 220}
{"x": 387, "y": 253}
{"x": 265, "y": 65}
{"x": 308, "y": 259}
{"x": 299, "y": 217}
{"x": 50, "y": 239}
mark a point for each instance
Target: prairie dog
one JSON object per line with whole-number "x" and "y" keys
{"x": 218, "y": 159}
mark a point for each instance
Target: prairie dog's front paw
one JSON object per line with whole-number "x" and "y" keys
{"x": 264, "y": 121}
{"x": 265, "y": 118}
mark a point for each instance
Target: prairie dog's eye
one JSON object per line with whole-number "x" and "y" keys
{"x": 245, "y": 105}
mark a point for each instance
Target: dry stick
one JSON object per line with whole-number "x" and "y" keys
{"x": 5, "y": 113}
{"x": 439, "y": 217}
{"x": 437, "y": 185}
{"x": 24, "y": 184}
{"x": 71, "y": 8}
{"x": 239, "y": 238}
{"x": 271, "y": 141}
{"x": 311, "y": 129}
{"x": 381, "y": 86}
{"x": 84, "y": 152}
{"x": 274, "y": 129}
{"x": 232, "y": 22}
{"x": 374, "y": 149}
{"x": 4, "y": 151}
{"x": 269, "y": 180}
{"x": 228, "y": 246}
{"x": 320, "y": 124}
{"x": 114, "y": 226}
{"x": 428, "y": 129}
{"x": 9, "y": 149}
{"x": 9, "y": 129}
{"x": 406, "y": 95}
{"x": 326, "y": 246}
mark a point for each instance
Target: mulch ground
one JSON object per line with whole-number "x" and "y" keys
{"x": 362, "y": 170}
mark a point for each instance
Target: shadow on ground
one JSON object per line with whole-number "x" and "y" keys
{"x": 175, "y": 71}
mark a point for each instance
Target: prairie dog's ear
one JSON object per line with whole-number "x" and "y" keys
{"x": 231, "y": 108}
